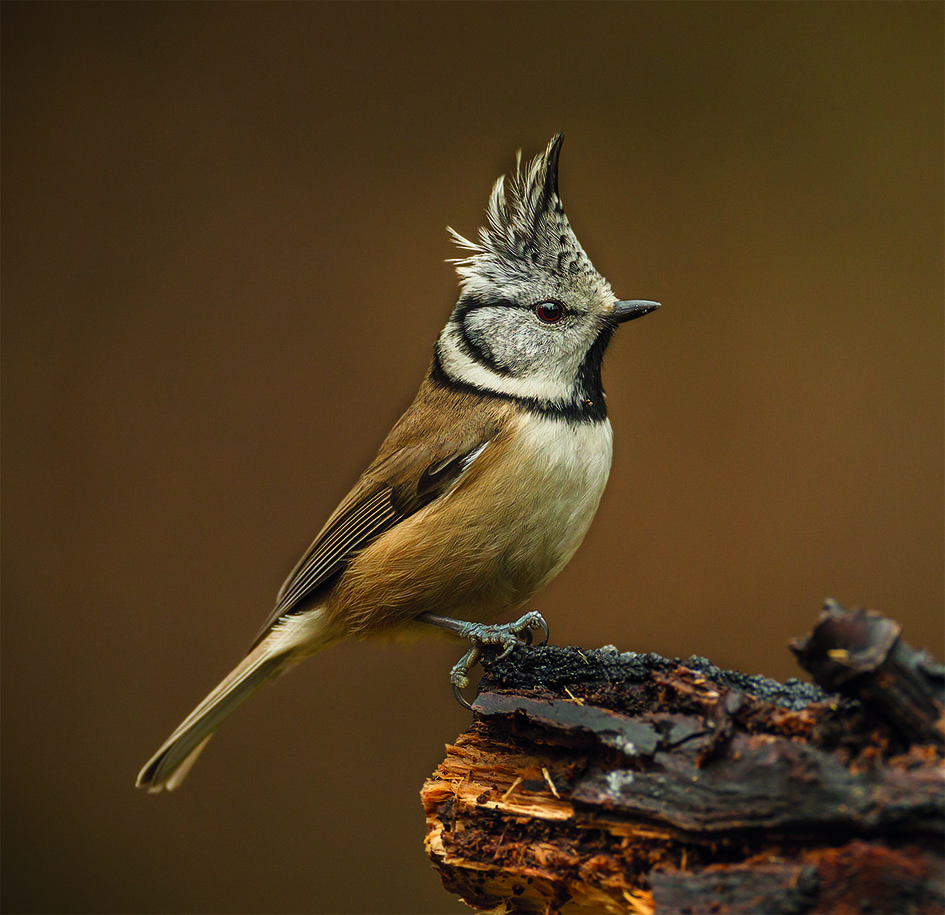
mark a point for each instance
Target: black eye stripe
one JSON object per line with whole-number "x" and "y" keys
{"x": 470, "y": 303}
{"x": 474, "y": 302}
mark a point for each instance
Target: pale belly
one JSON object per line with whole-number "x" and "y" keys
{"x": 484, "y": 549}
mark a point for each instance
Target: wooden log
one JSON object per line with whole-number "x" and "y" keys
{"x": 595, "y": 781}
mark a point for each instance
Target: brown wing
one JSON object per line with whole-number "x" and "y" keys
{"x": 422, "y": 459}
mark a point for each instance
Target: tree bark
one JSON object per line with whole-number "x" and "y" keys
{"x": 595, "y": 781}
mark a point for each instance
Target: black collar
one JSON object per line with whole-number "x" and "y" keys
{"x": 589, "y": 408}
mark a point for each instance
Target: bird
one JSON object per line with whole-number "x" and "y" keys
{"x": 484, "y": 488}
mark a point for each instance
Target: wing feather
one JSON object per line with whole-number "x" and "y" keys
{"x": 365, "y": 522}
{"x": 412, "y": 477}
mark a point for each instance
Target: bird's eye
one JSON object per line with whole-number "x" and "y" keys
{"x": 549, "y": 312}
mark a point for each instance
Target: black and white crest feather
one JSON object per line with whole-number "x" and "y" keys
{"x": 527, "y": 229}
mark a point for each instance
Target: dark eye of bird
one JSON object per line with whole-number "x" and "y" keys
{"x": 549, "y": 312}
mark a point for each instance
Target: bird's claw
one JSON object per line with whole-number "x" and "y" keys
{"x": 460, "y": 698}
{"x": 507, "y": 635}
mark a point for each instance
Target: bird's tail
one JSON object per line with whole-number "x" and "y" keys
{"x": 275, "y": 654}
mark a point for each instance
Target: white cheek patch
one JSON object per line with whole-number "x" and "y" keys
{"x": 512, "y": 344}
{"x": 462, "y": 366}
{"x": 489, "y": 332}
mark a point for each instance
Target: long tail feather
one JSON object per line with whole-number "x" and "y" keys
{"x": 288, "y": 642}
{"x": 167, "y": 768}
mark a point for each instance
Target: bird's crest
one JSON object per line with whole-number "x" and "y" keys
{"x": 527, "y": 228}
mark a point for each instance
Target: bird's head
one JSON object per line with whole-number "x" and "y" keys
{"x": 533, "y": 316}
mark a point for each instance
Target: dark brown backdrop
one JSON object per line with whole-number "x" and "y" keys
{"x": 223, "y": 271}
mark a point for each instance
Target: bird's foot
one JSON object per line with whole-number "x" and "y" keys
{"x": 506, "y": 635}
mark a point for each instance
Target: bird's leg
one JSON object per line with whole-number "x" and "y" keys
{"x": 508, "y": 635}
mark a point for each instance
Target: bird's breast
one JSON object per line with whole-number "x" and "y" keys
{"x": 508, "y": 527}
{"x": 563, "y": 469}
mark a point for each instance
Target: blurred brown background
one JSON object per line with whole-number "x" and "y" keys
{"x": 223, "y": 272}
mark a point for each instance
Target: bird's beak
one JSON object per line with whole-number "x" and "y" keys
{"x": 628, "y": 309}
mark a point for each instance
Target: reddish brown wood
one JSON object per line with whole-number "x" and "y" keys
{"x": 593, "y": 781}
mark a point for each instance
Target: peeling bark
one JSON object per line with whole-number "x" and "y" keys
{"x": 594, "y": 781}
